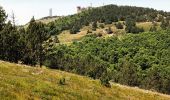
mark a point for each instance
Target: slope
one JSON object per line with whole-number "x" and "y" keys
{"x": 23, "y": 82}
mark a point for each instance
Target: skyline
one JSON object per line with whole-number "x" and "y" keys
{"x": 24, "y": 10}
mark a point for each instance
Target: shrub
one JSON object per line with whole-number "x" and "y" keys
{"x": 89, "y": 31}
{"x": 105, "y": 81}
{"x": 101, "y": 25}
{"x": 74, "y": 30}
{"x": 119, "y": 25}
{"x": 99, "y": 35}
{"x": 153, "y": 29}
{"x": 62, "y": 81}
{"x": 94, "y": 26}
{"x": 109, "y": 30}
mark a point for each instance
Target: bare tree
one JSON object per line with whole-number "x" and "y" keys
{"x": 13, "y": 19}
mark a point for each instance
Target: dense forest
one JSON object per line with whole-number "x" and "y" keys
{"x": 141, "y": 59}
{"x": 106, "y": 14}
{"x": 137, "y": 60}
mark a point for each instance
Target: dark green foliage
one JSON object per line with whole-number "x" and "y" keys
{"x": 62, "y": 81}
{"x": 164, "y": 24}
{"x": 119, "y": 25}
{"x": 158, "y": 79}
{"x": 105, "y": 81}
{"x": 141, "y": 19}
{"x": 10, "y": 43}
{"x": 153, "y": 29}
{"x": 106, "y": 14}
{"x": 74, "y": 30}
{"x": 36, "y": 35}
{"x": 136, "y": 60}
{"x": 52, "y": 29}
{"x": 131, "y": 26}
{"x": 128, "y": 74}
{"x": 2, "y": 18}
{"x": 94, "y": 26}
{"x": 105, "y": 78}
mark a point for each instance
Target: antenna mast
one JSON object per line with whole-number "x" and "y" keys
{"x": 50, "y": 12}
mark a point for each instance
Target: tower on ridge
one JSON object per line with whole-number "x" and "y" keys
{"x": 50, "y": 12}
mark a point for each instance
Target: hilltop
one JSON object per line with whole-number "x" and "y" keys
{"x": 74, "y": 27}
{"x": 23, "y": 82}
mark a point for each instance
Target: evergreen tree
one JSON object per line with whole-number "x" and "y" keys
{"x": 10, "y": 43}
{"x": 94, "y": 26}
{"x": 164, "y": 24}
{"x": 130, "y": 24}
{"x": 2, "y": 18}
{"x": 74, "y": 30}
{"x": 36, "y": 35}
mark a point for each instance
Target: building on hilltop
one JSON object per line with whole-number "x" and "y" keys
{"x": 81, "y": 9}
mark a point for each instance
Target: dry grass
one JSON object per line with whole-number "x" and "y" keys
{"x": 48, "y": 20}
{"x": 20, "y": 82}
{"x": 147, "y": 25}
{"x": 67, "y": 38}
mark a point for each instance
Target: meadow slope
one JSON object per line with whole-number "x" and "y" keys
{"x": 21, "y": 82}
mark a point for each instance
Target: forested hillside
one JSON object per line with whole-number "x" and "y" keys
{"x": 134, "y": 58}
{"x": 107, "y": 14}
{"x": 137, "y": 60}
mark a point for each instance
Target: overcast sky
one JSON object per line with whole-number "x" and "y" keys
{"x": 25, "y": 9}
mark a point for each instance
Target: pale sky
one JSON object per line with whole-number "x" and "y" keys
{"x": 25, "y": 9}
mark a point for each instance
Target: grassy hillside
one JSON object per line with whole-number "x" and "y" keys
{"x": 23, "y": 82}
{"x": 47, "y": 20}
{"x": 66, "y": 37}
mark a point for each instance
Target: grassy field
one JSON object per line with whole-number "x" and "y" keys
{"x": 21, "y": 82}
{"x": 147, "y": 25}
{"x": 67, "y": 38}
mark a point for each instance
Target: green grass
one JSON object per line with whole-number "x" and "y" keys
{"x": 20, "y": 82}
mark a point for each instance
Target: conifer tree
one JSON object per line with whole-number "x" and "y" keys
{"x": 36, "y": 36}
{"x": 2, "y": 18}
{"x": 9, "y": 37}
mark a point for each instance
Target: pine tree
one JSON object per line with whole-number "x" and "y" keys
{"x": 9, "y": 37}
{"x": 36, "y": 36}
{"x": 2, "y": 18}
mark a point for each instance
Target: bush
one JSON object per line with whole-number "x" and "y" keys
{"x": 101, "y": 25}
{"x": 94, "y": 26}
{"x": 109, "y": 30}
{"x": 105, "y": 81}
{"x": 74, "y": 30}
{"x": 119, "y": 25}
{"x": 153, "y": 29}
{"x": 134, "y": 29}
{"x": 62, "y": 81}
{"x": 88, "y": 32}
{"x": 99, "y": 35}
